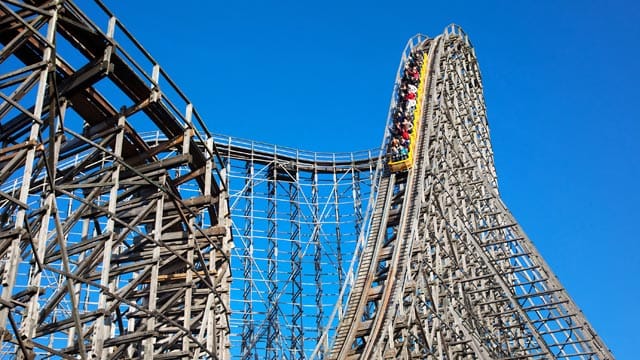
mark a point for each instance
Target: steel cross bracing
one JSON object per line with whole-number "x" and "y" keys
{"x": 111, "y": 245}
{"x": 298, "y": 223}
{"x": 449, "y": 272}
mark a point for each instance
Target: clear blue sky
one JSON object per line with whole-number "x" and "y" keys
{"x": 561, "y": 85}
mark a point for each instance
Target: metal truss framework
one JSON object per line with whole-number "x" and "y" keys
{"x": 298, "y": 224}
{"x": 117, "y": 208}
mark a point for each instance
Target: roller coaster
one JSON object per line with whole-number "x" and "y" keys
{"x": 129, "y": 231}
{"x": 408, "y": 112}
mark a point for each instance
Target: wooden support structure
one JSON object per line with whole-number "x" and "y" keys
{"x": 112, "y": 245}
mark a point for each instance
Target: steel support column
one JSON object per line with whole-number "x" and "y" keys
{"x": 247, "y": 266}
{"x": 273, "y": 326}
{"x": 296, "y": 349}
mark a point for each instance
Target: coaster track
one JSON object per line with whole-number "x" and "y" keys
{"x": 115, "y": 244}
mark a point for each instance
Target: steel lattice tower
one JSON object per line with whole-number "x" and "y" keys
{"x": 118, "y": 209}
{"x": 296, "y": 216}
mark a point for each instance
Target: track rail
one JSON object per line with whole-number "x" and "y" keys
{"x": 257, "y": 152}
{"x": 385, "y": 254}
{"x": 410, "y": 217}
{"x": 358, "y": 296}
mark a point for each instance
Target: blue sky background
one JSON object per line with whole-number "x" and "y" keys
{"x": 561, "y": 87}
